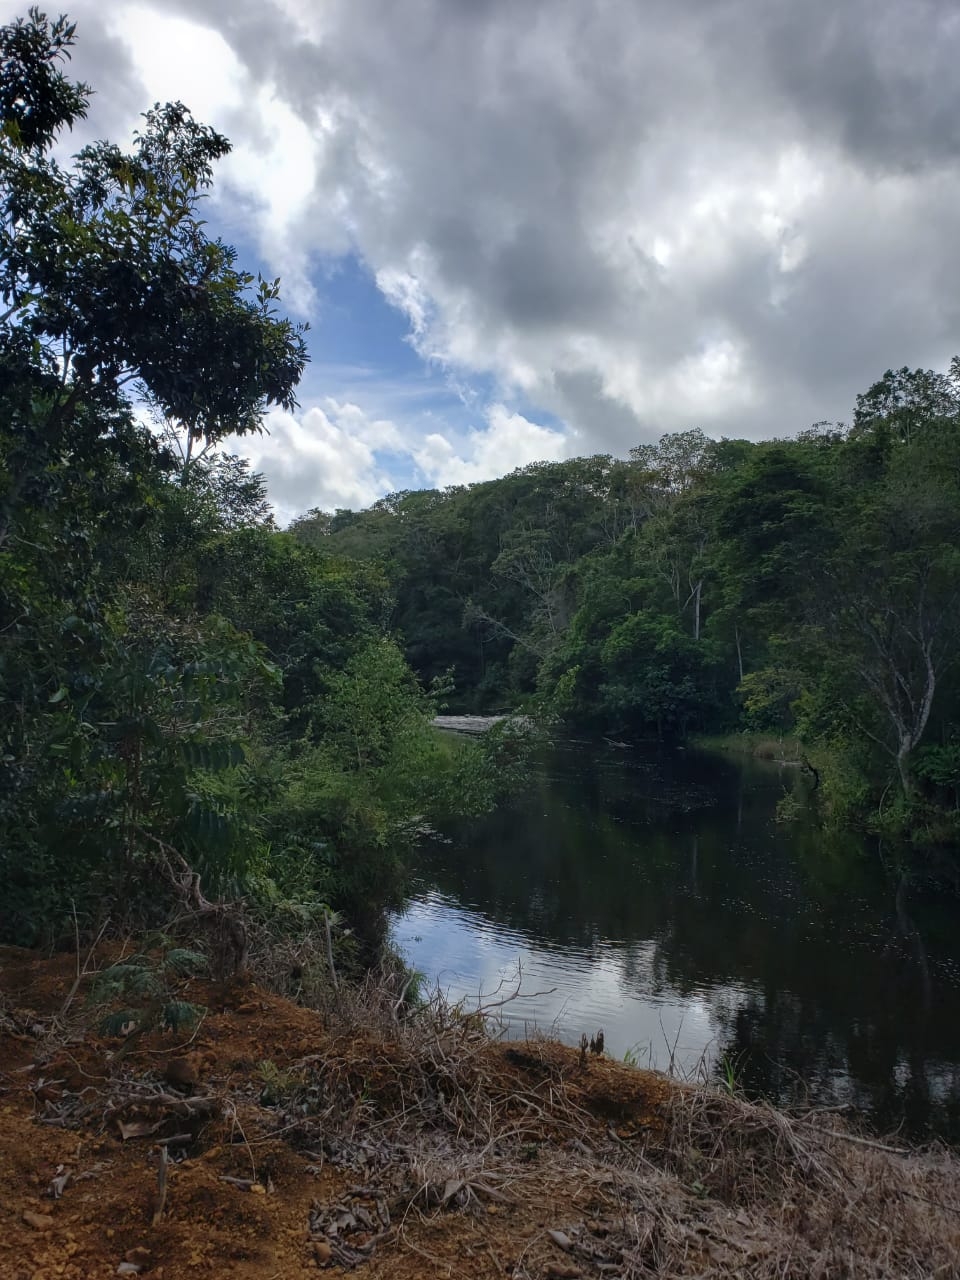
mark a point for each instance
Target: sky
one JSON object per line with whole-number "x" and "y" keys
{"x": 534, "y": 229}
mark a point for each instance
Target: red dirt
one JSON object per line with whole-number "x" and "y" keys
{"x": 105, "y": 1215}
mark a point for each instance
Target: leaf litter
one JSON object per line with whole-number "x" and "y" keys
{"x": 353, "y": 1138}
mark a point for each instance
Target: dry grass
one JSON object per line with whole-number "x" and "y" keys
{"x": 411, "y": 1143}
{"x": 806, "y": 1199}
{"x": 644, "y": 1176}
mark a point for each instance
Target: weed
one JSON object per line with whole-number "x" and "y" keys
{"x": 727, "y": 1071}
{"x": 280, "y": 1087}
{"x": 148, "y": 983}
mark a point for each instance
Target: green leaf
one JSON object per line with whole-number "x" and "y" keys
{"x": 177, "y": 1014}
{"x": 182, "y": 961}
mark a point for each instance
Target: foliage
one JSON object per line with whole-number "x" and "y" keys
{"x": 184, "y": 691}
{"x": 806, "y": 587}
{"x": 149, "y": 981}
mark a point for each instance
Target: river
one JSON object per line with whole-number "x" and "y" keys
{"x": 654, "y": 894}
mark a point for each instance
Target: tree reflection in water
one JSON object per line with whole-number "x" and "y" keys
{"x": 658, "y": 894}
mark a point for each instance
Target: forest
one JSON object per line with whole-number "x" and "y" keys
{"x": 193, "y": 702}
{"x": 801, "y": 588}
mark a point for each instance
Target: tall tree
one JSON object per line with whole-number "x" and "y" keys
{"x": 110, "y": 698}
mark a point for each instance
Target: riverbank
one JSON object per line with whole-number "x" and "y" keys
{"x": 278, "y": 1140}
{"x": 756, "y": 746}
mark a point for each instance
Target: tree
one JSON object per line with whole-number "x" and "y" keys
{"x": 108, "y": 279}
{"x": 889, "y": 596}
{"x": 839, "y": 549}
{"x": 114, "y": 705}
{"x": 185, "y": 692}
{"x": 904, "y": 402}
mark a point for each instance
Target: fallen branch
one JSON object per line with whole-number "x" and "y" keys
{"x": 857, "y": 1139}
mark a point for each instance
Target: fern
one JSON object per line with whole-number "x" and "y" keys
{"x": 130, "y": 978}
{"x": 184, "y": 962}
{"x": 177, "y": 1014}
{"x": 146, "y": 979}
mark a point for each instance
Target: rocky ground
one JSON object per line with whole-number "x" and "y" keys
{"x": 274, "y": 1141}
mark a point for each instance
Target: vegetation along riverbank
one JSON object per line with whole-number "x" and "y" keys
{"x": 799, "y": 589}
{"x": 757, "y": 746}
{"x": 195, "y": 705}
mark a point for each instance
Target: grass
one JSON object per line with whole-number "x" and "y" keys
{"x": 758, "y": 746}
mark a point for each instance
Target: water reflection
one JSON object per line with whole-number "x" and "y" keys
{"x": 655, "y": 895}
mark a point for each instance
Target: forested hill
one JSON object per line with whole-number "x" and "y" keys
{"x": 804, "y": 586}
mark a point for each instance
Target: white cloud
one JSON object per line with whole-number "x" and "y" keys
{"x": 266, "y": 186}
{"x": 175, "y": 58}
{"x": 407, "y": 293}
{"x": 510, "y": 440}
{"x": 325, "y": 457}
{"x": 335, "y": 455}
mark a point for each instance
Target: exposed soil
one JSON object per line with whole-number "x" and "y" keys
{"x": 297, "y": 1141}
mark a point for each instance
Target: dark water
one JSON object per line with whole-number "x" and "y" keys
{"x": 655, "y": 895}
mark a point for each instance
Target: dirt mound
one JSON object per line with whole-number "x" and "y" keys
{"x": 273, "y": 1141}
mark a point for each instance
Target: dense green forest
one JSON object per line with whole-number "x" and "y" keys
{"x": 806, "y": 587}
{"x": 193, "y": 705}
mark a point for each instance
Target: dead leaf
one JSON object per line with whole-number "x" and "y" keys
{"x": 561, "y": 1240}
{"x": 137, "y": 1128}
{"x": 39, "y": 1221}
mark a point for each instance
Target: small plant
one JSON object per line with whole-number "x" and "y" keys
{"x": 727, "y": 1069}
{"x": 634, "y": 1055}
{"x": 147, "y": 981}
{"x": 415, "y": 988}
{"x": 278, "y": 1086}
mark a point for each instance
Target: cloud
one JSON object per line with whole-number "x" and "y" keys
{"x": 335, "y": 455}
{"x": 642, "y": 215}
{"x": 325, "y": 457}
{"x": 509, "y": 441}
{"x": 637, "y": 216}
{"x": 267, "y": 183}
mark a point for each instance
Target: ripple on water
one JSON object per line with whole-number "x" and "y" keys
{"x": 563, "y": 990}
